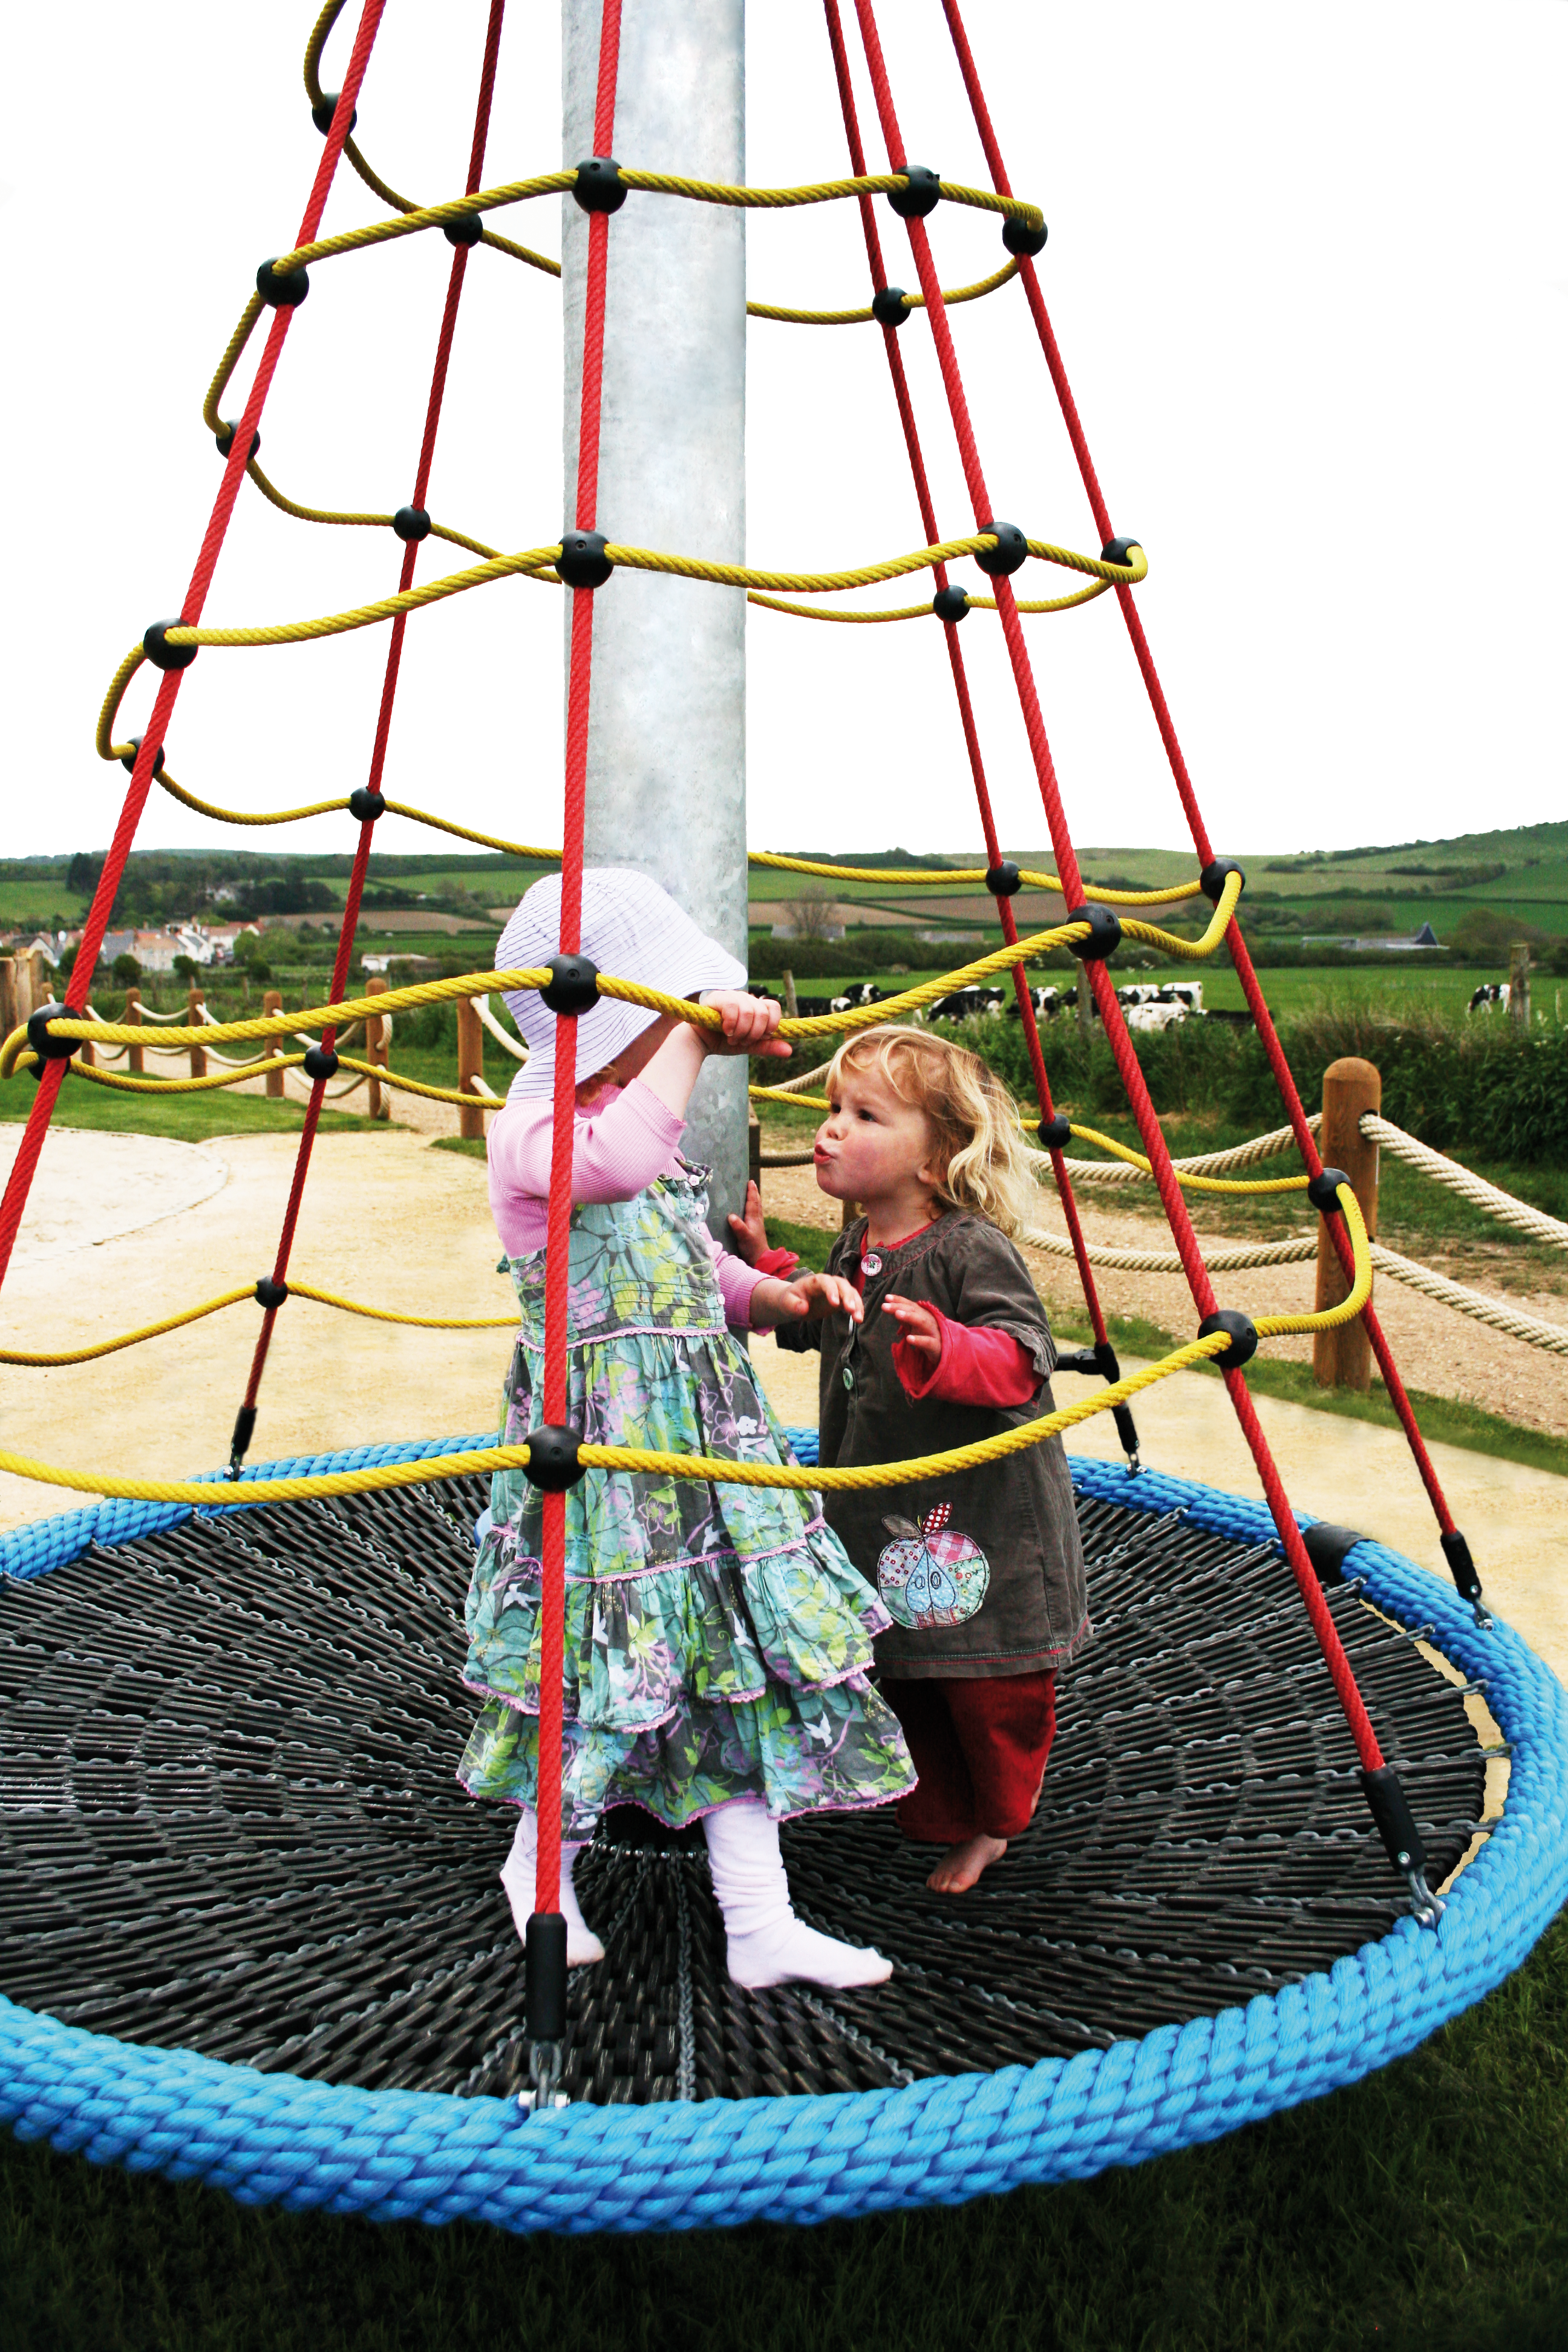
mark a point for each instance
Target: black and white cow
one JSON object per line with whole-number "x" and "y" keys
{"x": 858, "y": 992}
{"x": 966, "y": 1004}
{"x": 1490, "y": 993}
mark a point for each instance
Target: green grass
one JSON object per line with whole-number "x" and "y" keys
{"x": 189, "y": 1119}
{"x": 1425, "y": 2206}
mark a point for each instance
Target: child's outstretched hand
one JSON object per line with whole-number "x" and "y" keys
{"x": 820, "y": 1294}
{"x": 749, "y": 1234}
{"x": 920, "y": 1326}
{"x": 749, "y": 1023}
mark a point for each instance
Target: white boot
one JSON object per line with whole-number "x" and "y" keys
{"x": 765, "y": 1944}
{"x": 517, "y": 1876}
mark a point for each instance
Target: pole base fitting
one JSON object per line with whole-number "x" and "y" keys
{"x": 1323, "y": 1192}
{"x": 922, "y": 196}
{"x": 1104, "y": 933}
{"x": 325, "y": 107}
{"x": 950, "y": 604}
{"x": 48, "y": 1048}
{"x": 553, "y": 1464}
{"x": 465, "y": 230}
{"x": 284, "y": 289}
{"x": 367, "y": 805}
{"x": 573, "y": 985}
{"x": 1011, "y": 550}
{"x": 223, "y": 441}
{"x": 1390, "y": 1808}
{"x": 599, "y": 187}
{"x": 244, "y": 1431}
{"x": 1243, "y": 1333}
{"x": 321, "y": 1063}
{"x": 1218, "y": 871}
{"x": 128, "y": 759}
{"x": 581, "y": 562}
{"x": 544, "y": 1978}
{"x": 269, "y": 1294}
{"x": 1461, "y": 1567}
{"x": 1055, "y": 1133}
{"x": 888, "y": 307}
{"x": 411, "y": 523}
{"x": 160, "y": 652}
{"x": 1003, "y": 879}
{"x": 1022, "y": 239}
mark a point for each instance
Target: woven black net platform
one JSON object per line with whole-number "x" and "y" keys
{"x": 229, "y": 1821}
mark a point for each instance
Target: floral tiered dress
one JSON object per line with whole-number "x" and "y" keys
{"x": 717, "y": 1639}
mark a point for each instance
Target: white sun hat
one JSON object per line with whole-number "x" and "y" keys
{"x": 631, "y": 929}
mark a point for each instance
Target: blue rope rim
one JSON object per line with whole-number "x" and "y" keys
{"x": 432, "y": 2157}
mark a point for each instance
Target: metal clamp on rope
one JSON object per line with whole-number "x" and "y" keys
{"x": 1402, "y": 1840}
{"x": 544, "y": 2007}
{"x": 1466, "y": 1581}
{"x": 42, "y": 1039}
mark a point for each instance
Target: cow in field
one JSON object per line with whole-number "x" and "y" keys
{"x": 858, "y": 992}
{"x": 966, "y": 1004}
{"x": 1490, "y": 993}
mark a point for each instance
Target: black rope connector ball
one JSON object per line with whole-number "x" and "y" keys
{"x": 223, "y": 440}
{"x": 270, "y": 1293}
{"x": 326, "y": 106}
{"x": 888, "y": 306}
{"x": 1119, "y": 550}
{"x": 284, "y": 289}
{"x": 367, "y": 805}
{"x": 467, "y": 229}
{"x": 581, "y": 562}
{"x": 128, "y": 759}
{"x": 599, "y": 187}
{"x": 48, "y": 1048}
{"x": 1216, "y": 874}
{"x": 160, "y": 653}
{"x": 1021, "y": 240}
{"x": 1243, "y": 1333}
{"x": 553, "y": 1464}
{"x": 922, "y": 196}
{"x": 321, "y": 1062}
{"x": 412, "y": 524}
{"x": 950, "y": 604}
{"x": 1055, "y": 1133}
{"x": 1104, "y": 933}
{"x": 1003, "y": 879}
{"x": 1323, "y": 1192}
{"x": 1011, "y": 549}
{"x": 573, "y": 985}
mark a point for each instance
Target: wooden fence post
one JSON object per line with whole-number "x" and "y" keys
{"x": 194, "y": 1002}
{"x": 470, "y": 1065}
{"x": 136, "y": 1060}
{"x": 375, "y": 1047}
{"x": 39, "y": 993}
{"x": 1342, "y": 1359}
{"x": 10, "y": 1016}
{"x": 792, "y": 1008}
{"x": 1519, "y": 983}
{"x": 273, "y": 1003}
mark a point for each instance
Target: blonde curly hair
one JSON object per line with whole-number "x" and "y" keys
{"x": 980, "y": 1157}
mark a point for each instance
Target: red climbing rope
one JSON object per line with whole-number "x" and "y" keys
{"x": 1109, "y": 1009}
{"x": 355, "y": 891}
{"x": 558, "y": 1229}
{"x": 960, "y": 677}
{"x": 1240, "y": 957}
{"x": 97, "y": 924}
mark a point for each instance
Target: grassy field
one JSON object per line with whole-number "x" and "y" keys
{"x": 1424, "y": 2210}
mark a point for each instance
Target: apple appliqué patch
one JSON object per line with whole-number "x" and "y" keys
{"x": 927, "y": 1576}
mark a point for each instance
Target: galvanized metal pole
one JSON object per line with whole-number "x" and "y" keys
{"x": 666, "y": 741}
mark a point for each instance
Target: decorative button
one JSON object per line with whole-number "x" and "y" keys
{"x": 870, "y": 1263}
{"x": 848, "y": 1377}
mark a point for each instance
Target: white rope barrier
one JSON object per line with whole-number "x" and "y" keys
{"x": 1469, "y": 1187}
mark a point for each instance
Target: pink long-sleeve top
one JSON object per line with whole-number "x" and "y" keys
{"x": 618, "y": 1147}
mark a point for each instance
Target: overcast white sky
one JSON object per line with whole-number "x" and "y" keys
{"x": 1310, "y": 270}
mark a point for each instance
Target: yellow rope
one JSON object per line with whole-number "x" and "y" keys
{"x": 942, "y": 877}
{"x": 924, "y": 611}
{"x": 205, "y": 1494}
{"x": 232, "y": 1298}
{"x": 1191, "y": 950}
{"x": 858, "y": 318}
{"x": 1326, "y": 1318}
{"x": 1190, "y": 1182}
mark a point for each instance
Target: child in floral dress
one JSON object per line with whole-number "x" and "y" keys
{"x": 717, "y": 1639}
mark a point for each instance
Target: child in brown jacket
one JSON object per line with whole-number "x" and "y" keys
{"x": 981, "y": 1571}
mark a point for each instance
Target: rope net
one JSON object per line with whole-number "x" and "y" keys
{"x": 49, "y": 1044}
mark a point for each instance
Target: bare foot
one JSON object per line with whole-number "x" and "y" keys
{"x": 964, "y": 1865}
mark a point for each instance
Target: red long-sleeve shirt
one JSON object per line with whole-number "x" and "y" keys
{"x": 974, "y": 1368}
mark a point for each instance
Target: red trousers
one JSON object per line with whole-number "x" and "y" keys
{"x": 980, "y": 1750}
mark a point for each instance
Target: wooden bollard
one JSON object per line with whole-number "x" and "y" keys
{"x": 136, "y": 1059}
{"x": 375, "y": 1047}
{"x": 194, "y": 1004}
{"x": 1519, "y": 983}
{"x": 273, "y": 1003}
{"x": 470, "y": 1065}
{"x": 1342, "y": 1359}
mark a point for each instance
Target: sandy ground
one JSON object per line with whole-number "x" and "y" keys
{"x": 123, "y": 1230}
